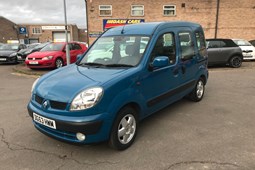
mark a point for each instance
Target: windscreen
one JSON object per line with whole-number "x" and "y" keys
{"x": 117, "y": 50}
{"x": 9, "y": 47}
{"x": 242, "y": 43}
{"x": 53, "y": 47}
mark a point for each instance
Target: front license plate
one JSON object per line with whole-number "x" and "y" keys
{"x": 44, "y": 121}
{"x": 19, "y": 57}
{"x": 33, "y": 62}
{"x": 2, "y": 59}
{"x": 247, "y": 56}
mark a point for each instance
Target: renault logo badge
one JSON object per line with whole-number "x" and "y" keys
{"x": 45, "y": 104}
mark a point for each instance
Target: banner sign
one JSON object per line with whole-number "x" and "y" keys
{"x": 109, "y": 23}
{"x": 95, "y": 34}
{"x": 22, "y": 30}
{"x": 53, "y": 27}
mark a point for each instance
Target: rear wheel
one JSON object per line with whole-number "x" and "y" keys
{"x": 235, "y": 61}
{"x": 124, "y": 129}
{"x": 59, "y": 63}
{"x": 197, "y": 93}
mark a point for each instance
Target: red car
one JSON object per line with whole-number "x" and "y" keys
{"x": 54, "y": 55}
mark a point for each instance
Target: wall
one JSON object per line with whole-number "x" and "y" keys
{"x": 8, "y": 30}
{"x": 236, "y": 18}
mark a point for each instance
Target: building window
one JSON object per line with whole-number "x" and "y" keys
{"x": 169, "y": 10}
{"x": 137, "y": 10}
{"x": 105, "y": 10}
{"x": 36, "y": 30}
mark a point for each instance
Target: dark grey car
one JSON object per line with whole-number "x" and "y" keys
{"x": 224, "y": 51}
{"x": 8, "y": 52}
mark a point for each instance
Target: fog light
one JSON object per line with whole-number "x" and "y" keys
{"x": 80, "y": 136}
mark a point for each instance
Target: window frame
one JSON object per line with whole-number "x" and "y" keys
{"x": 164, "y": 45}
{"x": 201, "y": 43}
{"x": 191, "y": 45}
{"x": 36, "y": 30}
{"x": 105, "y": 15}
{"x": 174, "y": 9}
{"x": 142, "y": 9}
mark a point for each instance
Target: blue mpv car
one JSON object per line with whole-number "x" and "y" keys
{"x": 128, "y": 73}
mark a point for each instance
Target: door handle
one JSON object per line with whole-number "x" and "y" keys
{"x": 183, "y": 68}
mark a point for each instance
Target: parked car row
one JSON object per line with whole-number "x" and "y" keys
{"x": 45, "y": 55}
{"x": 22, "y": 54}
{"x": 229, "y": 52}
{"x": 8, "y": 52}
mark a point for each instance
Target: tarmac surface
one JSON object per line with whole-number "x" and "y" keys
{"x": 217, "y": 133}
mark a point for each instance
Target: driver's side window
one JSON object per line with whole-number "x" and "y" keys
{"x": 165, "y": 46}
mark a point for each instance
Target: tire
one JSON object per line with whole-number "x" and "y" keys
{"x": 235, "y": 61}
{"x": 197, "y": 93}
{"x": 59, "y": 63}
{"x": 124, "y": 129}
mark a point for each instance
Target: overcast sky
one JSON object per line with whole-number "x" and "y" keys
{"x": 44, "y": 11}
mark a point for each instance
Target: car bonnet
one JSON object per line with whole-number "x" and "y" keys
{"x": 6, "y": 53}
{"x": 64, "y": 84}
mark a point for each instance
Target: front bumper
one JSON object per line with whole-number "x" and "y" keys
{"x": 21, "y": 58}
{"x": 96, "y": 128}
{"x": 40, "y": 63}
{"x": 249, "y": 56}
{"x": 5, "y": 59}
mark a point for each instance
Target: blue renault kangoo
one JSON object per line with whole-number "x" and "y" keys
{"x": 127, "y": 74}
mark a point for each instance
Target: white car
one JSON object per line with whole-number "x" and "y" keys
{"x": 247, "y": 48}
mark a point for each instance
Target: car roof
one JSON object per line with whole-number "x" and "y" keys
{"x": 218, "y": 39}
{"x": 147, "y": 28}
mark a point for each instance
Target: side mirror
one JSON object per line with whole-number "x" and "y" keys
{"x": 79, "y": 57}
{"x": 160, "y": 62}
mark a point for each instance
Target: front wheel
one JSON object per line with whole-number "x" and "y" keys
{"x": 197, "y": 93}
{"x": 59, "y": 63}
{"x": 124, "y": 129}
{"x": 235, "y": 62}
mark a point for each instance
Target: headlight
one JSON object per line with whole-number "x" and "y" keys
{"x": 47, "y": 58}
{"x": 87, "y": 99}
{"x": 13, "y": 54}
{"x": 34, "y": 84}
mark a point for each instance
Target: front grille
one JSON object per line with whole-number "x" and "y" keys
{"x": 34, "y": 58}
{"x": 53, "y": 104}
{"x": 58, "y": 105}
{"x": 247, "y": 51}
{"x": 38, "y": 99}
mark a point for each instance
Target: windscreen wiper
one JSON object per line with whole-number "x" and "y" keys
{"x": 118, "y": 65}
{"x": 91, "y": 64}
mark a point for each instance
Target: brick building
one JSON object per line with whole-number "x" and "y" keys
{"x": 11, "y": 34}
{"x": 219, "y": 18}
{"x": 33, "y": 33}
{"x": 47, "y": 32}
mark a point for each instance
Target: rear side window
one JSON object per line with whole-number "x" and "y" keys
{"x": 76, "y": 47}
{"x": 201, "y": 44}
{"x": 187, "y": 45}
{"x": 213, "y": 44}
{"x": 228, "y": 43}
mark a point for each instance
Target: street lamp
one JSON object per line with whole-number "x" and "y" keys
{"x": 67, "y": 46}
{"x": 87, "y": 25}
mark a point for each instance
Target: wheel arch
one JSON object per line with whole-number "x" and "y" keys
{"x": 203, "y": 77}
{"x": 233, "y": 55}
